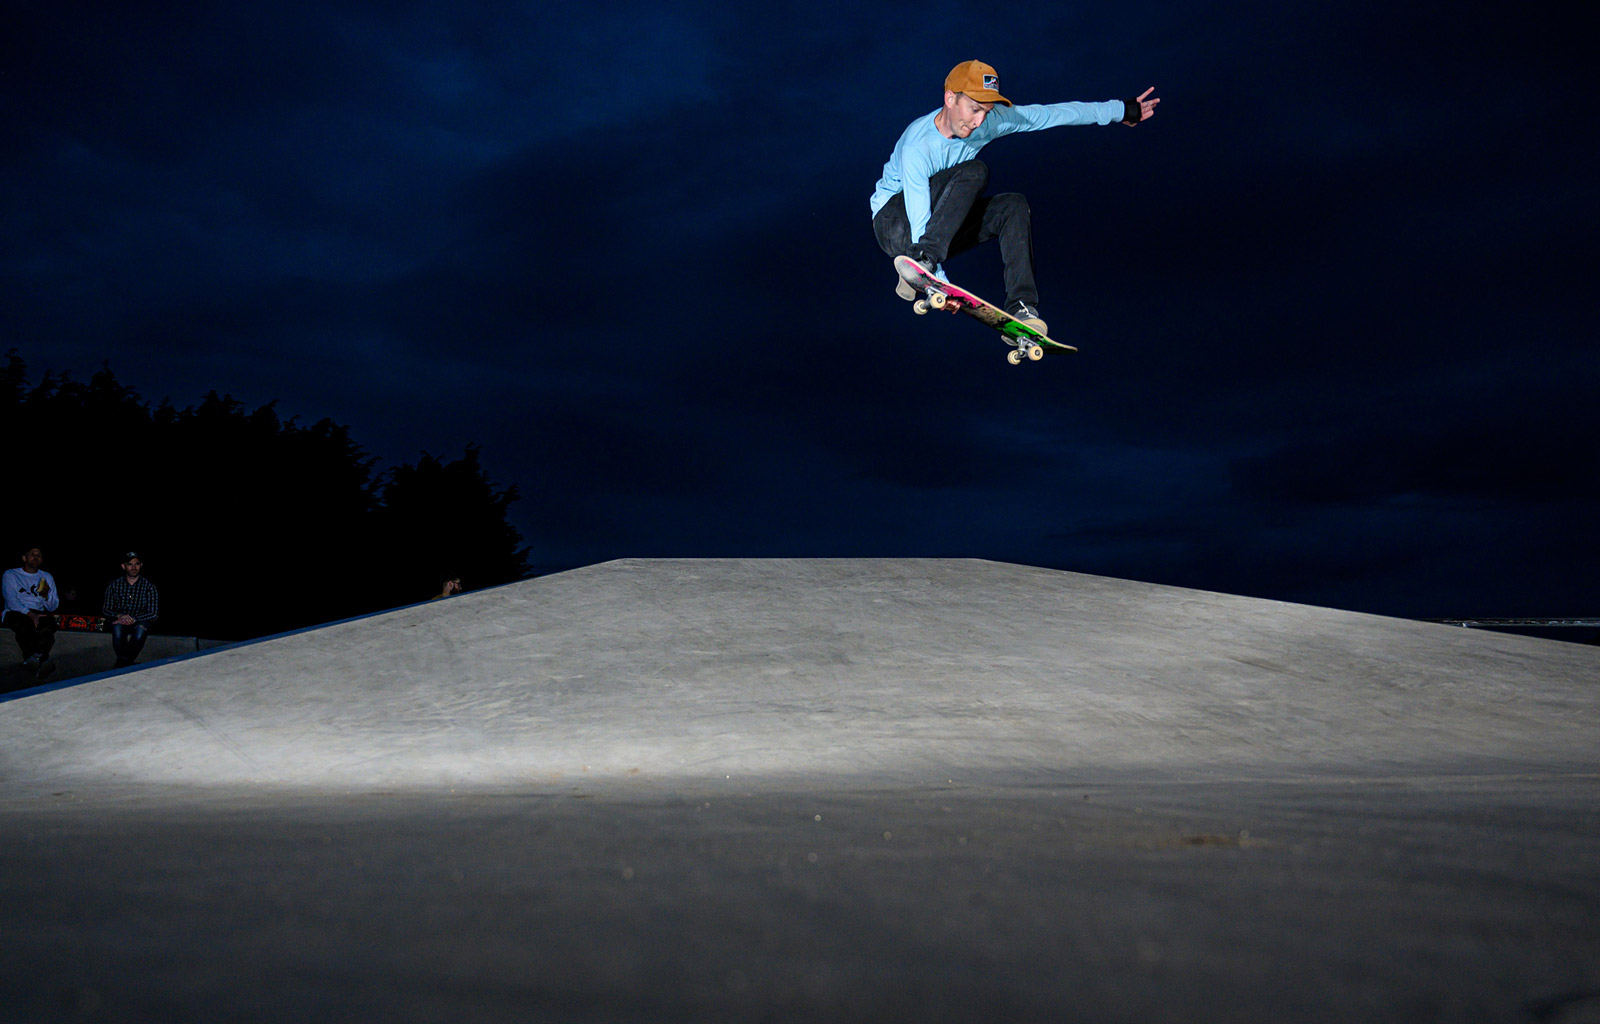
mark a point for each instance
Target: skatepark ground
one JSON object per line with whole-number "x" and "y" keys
{"x": 679, "y": 790}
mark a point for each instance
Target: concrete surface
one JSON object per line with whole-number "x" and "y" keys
{"x": 801, "y": 790}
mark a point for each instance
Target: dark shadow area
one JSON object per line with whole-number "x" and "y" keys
{"x": 250, "y": 524}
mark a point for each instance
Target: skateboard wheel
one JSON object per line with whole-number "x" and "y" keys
{"x": 1035, "y": 352}
{"x": 920, "y": 307}
{"x": 1014, "y": 357}
{"x": 937, "y": 299}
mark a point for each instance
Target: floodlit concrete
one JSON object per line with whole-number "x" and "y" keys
{"x": 816, "y": 789}
{"x": 916, "y": 671}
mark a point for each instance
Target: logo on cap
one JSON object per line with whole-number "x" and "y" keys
{"x": 991, "y": 82}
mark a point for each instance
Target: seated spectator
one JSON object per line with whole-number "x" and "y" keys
{"x": 449, "y": 586}
{"x": 131, "y": 604}
{"x": 30, "y": 597}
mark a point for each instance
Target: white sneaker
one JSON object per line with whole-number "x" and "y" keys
{"x": 903, "y": 288}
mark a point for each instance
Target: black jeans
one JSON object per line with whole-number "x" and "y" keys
{"x": 962, "y": 218}
{"x": 32, "y": 639}
{"x": 128, "y": 641}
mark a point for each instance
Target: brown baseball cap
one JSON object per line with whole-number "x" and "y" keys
{"x": 976, "y": 79}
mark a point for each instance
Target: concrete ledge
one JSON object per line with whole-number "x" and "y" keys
{"x": 83, "y": 654}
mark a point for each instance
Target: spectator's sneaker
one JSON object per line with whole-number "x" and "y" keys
{"x": 903, "y": 288}
{"x": 32, "y": 661}
{"x": 44, "y": 670}
{"x": 1028, "y": 315}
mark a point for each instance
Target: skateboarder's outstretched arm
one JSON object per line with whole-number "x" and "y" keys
{"x": 1040, "y": 116}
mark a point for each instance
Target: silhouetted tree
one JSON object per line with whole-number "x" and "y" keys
{"x": 250, "y": 524}
{"x": 447, "y": 517}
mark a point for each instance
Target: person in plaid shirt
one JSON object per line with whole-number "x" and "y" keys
{"x": 132, "y": 604}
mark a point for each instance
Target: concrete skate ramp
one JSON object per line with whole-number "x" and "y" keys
{"x": 937, "y": 791}
{"x": 892, "y": 671}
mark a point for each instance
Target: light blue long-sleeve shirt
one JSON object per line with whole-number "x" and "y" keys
{"x": 922, "y": 152}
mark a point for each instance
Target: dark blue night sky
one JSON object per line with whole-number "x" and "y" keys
{"x": 1334, "y": 303}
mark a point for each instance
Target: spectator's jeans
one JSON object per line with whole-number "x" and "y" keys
{"x": 128, "y": 641}
{"x": 962, "y": 218}
{"x": 32, "y": 639}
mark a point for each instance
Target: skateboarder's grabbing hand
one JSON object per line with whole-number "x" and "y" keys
{"x": 930, "y": 205}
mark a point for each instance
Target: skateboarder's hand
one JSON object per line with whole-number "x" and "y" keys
{"x": 1141, "y": 109}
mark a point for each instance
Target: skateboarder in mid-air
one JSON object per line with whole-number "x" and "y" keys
{"x": 930, "y": 205}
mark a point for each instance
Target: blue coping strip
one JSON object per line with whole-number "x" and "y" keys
{"x": 34, "y": 691}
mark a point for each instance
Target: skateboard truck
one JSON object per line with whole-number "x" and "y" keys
{"x": 1033, "y": 350}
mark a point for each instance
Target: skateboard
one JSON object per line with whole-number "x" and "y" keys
{"x": 1025, "y": 342}
{"x": 75, "y": 623}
